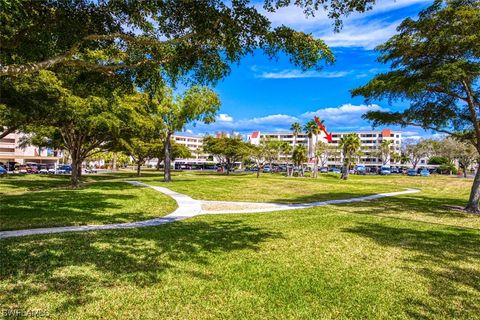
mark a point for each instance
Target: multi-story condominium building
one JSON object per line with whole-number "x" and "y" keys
{"x": 195, "y": 144}
{"x": 11, "y": 153}
{"x": 371, "y": 141}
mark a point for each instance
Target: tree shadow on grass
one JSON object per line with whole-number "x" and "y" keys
{"x": 321, "y": 196}
{"x": 38, "y": 182}
{"x": 448, "y": 259}
{"x": 63, "y": 207}
{"x": 75, "y": 265}
{"x": 27, "y": 182}
{"x": 414, "y": 203}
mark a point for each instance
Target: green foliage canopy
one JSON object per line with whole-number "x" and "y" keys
{"x": 195, "y": 39}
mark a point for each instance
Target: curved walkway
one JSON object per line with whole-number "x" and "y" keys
{"x": 188, "y": 207}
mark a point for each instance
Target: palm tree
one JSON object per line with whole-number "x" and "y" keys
{"x": 322, "y": 150}
{"x": 286, "y": 151}
{"x": 299, "y": 156}
{"x": 296, "y": 129}
{"x": 385, "y": 151}
{"x": 311, "y": 129}
{"x": 350, "y": 144}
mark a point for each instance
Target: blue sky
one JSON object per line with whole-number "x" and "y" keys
{"x": 268, "y": 95}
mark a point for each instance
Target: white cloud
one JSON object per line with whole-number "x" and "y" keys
{"x": 250, "y": 124}
{"x": 359, "y": 29}
{"x": 367, "y": 35}
{"x": 410, "y": 133}
{"x": 223, "y": 117}
{"x": 294, "y": 16}
{"x": 345, "y": 115}
{"x": 343, "y": 118}
{"x": 274, "y": 119}
{"x": 296, "y": 73}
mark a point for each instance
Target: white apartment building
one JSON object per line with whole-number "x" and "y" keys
{"x": 195, "y": 145}
{"x": 11, "y": 152}
{"x": 371, "y": 141}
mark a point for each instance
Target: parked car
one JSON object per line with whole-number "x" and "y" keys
{"x": 3, "y": 170}
{"x": 323, "y": 170}
{"x": 267, "y": 169}
{"x": 385, "y": 171}
{"x": 424, "y": 173}
{"x": 360, "y": 169}
{"x": 22, "y": 169}
{"x": 335, "y": 170}
{"x": 64, "y": 169}
{"x": 90, "y": 170}
{"x": 394, "y": 170}
{"x": 33, "y": 167}
{"x": 411, "y": 172}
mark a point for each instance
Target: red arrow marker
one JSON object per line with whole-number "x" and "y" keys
{"x": 329, "y": 137}
{"x": 319, "y": 124}
{"x": 322, "y": 127}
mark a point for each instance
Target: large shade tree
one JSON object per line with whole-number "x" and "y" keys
{"x": 175, "y": 112}
{"x": 91, "y": 115}
{"x": 180, "y": 36}
{"x": 227, "y": 150}
{"x": 28, "y": 99}
{"x": 415, "y": 151}
{"x": 435, "y": 64}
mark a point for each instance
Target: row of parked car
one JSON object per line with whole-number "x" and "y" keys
{"x": 359, "y": 169}
{"x": 35, "y": 168}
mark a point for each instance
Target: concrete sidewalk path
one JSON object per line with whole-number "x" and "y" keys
{"x": 188, "y": 207}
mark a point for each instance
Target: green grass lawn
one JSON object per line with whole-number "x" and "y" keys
{"x": 34, "y": 201}
{"x": 402, "y": 257}
{"x": 271, "y": 187}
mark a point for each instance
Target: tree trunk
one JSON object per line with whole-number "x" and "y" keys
{"x": 167, "y": 175}
{"x": 345, "y": 171}
{"x": 473, "y": 202}
{"x": 158, "y": 164}
{"x": 7, "y": 132}
{"x": 76, "y": 170}
{"x": 258, "y": 171}
{"x": 114, "y": 162}
{"x": 139, "y": 167}
{"x": 228, "y": 167}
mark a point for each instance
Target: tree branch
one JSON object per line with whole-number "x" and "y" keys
{"x": 428, "y": 127}
{"x": 473, "y": 113}
{"x": 438, "y": 89}
{"x": 12, "y": 70}
{"x": 7, "y": 132}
